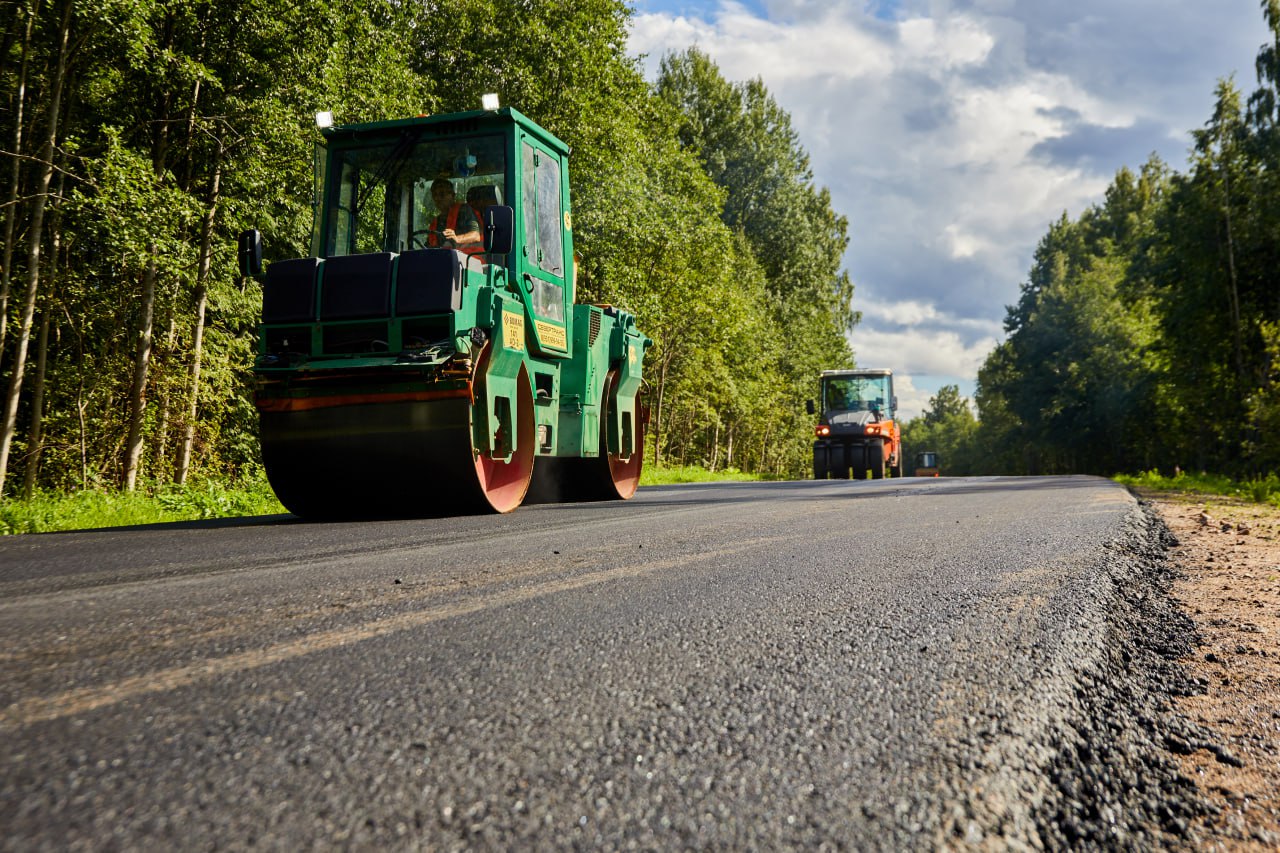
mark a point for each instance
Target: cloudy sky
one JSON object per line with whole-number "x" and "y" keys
{"x": 952, "y": 132}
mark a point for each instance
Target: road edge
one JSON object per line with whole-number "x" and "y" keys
{"x": 1084, "y": 760}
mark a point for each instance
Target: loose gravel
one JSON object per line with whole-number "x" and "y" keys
{"x": 1091, "y": 761}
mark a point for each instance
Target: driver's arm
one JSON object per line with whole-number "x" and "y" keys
{"x": 468, "y": 230}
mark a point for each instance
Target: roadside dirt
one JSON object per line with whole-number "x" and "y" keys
{"x": 1229, "y": 557}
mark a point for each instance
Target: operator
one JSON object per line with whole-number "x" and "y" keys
{"x": 455, "y": 225}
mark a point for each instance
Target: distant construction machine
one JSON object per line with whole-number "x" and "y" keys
{"x": 927, "y": 464}
{"x": 856, "y": 434}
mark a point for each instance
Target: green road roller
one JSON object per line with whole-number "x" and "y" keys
{"x": 428, "y": 357}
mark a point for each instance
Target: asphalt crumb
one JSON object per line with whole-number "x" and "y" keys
{"x": 1088, "y": 759}
{"x": 1116, "y": 778}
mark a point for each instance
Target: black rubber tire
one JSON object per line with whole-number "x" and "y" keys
{"x": 857, "y": 458}
{"x": 820, "y": 470}
{"x": 875, "y": 460}
{"x": 838, "y": 462}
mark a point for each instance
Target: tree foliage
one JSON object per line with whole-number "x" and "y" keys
{"x": 948, "y": 428}
{"x": 140, "y": 137}
{"x": 745, "y": 143}
{"x": 1145, "y": 334}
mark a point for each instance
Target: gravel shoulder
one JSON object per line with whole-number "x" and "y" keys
{"x": 1227, "y": 559}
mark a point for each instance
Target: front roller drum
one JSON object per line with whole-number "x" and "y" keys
{"x": 398, "y": 459}
{"x": 502, "y": 485}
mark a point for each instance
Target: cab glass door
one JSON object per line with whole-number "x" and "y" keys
{"x": 545, "y": 223}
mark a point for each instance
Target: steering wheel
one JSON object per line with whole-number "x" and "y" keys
{"x": 420, "y": 236}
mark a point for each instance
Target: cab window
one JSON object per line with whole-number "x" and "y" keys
{"x": 543, "y": 219}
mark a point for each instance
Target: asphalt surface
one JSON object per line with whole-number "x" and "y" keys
{"x": 889, "y": 664}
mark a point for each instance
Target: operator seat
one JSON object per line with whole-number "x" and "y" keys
{"x": 481, "y": 196}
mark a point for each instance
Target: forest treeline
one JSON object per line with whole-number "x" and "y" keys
{"x": 1147, "y": 334}
{"x": 139, "y": 137}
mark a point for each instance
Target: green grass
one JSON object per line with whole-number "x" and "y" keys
{"x": 652, "y": 476}
{"x": 46, "y": 512}
{"x": 1262, "y": 490}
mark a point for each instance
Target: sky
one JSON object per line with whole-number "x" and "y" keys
{"x": 952, "y": 132}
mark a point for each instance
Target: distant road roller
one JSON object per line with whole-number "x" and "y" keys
{"x": 857, "y": 431}
{"x": 428, "y": 358}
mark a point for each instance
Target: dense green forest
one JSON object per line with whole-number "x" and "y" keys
{"x": 1147, "y": 334}
{"x": 139, "y": 137}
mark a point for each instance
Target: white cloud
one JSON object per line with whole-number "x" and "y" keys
{"x": 949, "y": 43}
{"x": 936, "y": 352}
{"x": 915, "y": 391}
{"x": 746, "y": 46}
{"x": 912, "y": 401}
{"x": 920, "y": 313}
{"x": 954, "y": 132}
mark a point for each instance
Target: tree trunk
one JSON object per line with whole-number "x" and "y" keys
{"x": 197, "y": 334}
{"x": 142, "y": 362}
{"x": 15, "y": 185}
{"x": 35, "y": 443}
{"x": 162, "y": 357}
{"x": 715, "y": 446}
{"x": 146, "y": 331}
{"x": 82, "y": 403}
{"x": 668, "y": 353}
{"x": 35, "y": 236}
{"x": 1234, "y": 293}
{"x": 192, "y": 111}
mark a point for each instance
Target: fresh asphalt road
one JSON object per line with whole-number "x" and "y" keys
{"x": 745, "y": 665}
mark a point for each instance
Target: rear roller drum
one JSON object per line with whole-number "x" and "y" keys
{"x": 606, "y": 477}
{"x": 622, "y": 477}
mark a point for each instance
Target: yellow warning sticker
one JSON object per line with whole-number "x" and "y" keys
{"x": 550, "y": 334}
{"x": 568, "y": 221}
{"x": 512, "y": 330}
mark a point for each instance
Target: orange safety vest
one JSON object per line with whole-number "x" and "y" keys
{"x": 451, "y": 223}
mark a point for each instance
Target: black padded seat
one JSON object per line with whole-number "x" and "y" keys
{"x": 429, "y": 281}
{"x": 356, "y": 287}
{"x": 289, "y": 293}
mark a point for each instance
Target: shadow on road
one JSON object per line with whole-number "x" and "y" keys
{"x": 682, "y": 494}
{"x": 964, "y": 485}
{"x": 194, "y": 524}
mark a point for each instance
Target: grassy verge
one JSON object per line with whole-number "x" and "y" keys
{"x": 46, "y": 512}
{"x": 651, "y": 476}
{"x": 1262, "y": 490}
